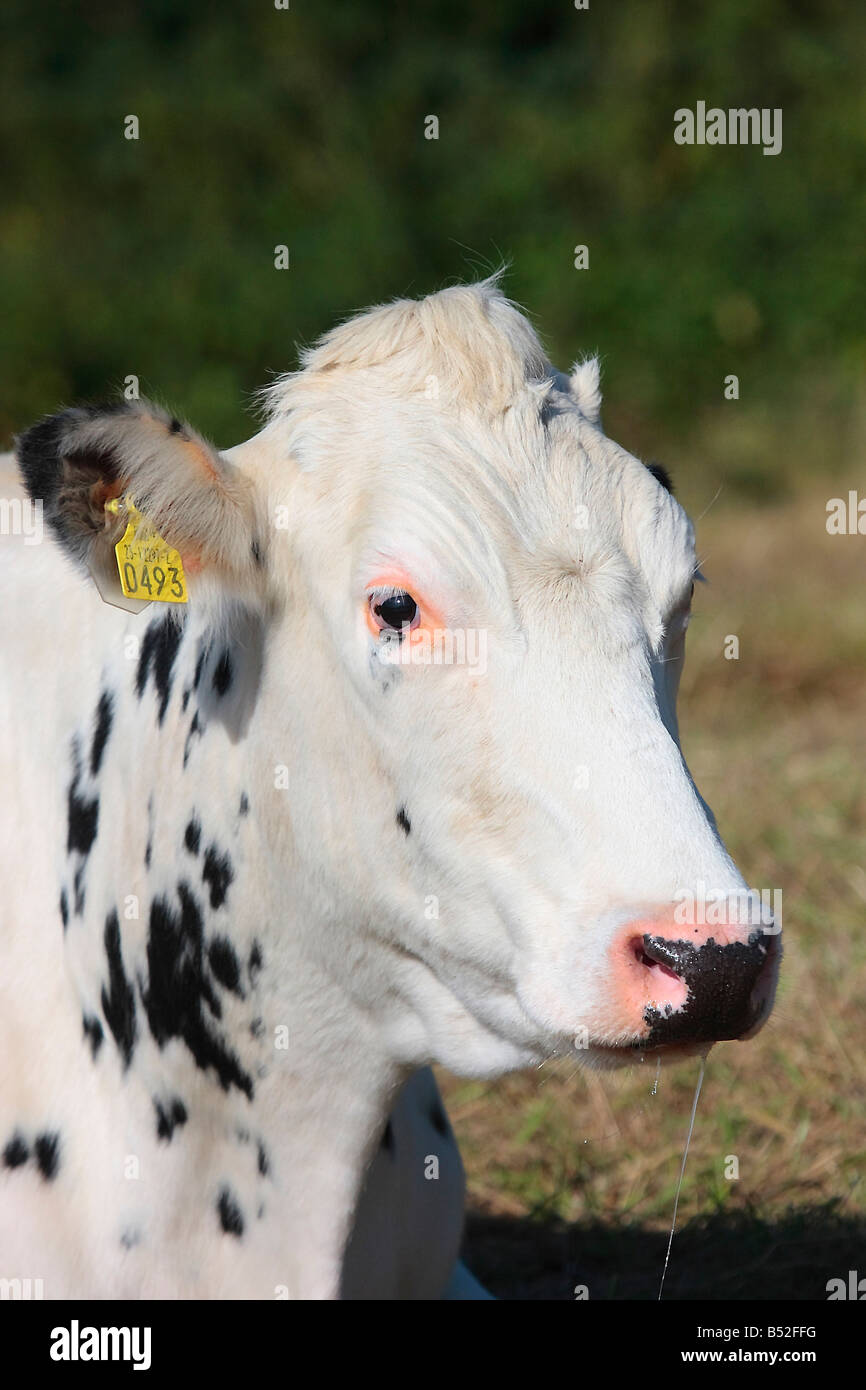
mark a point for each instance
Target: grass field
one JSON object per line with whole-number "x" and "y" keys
{"x": 571, "y": 1174}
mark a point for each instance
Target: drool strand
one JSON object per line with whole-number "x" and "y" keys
{"x": 683, "y": 1168}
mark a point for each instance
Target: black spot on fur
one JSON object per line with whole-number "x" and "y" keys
{"x": 230, "y": 1216}
{"x": 118, "y": 1000}
{"x": 192, "y": 836}
{"x": 255, "y": 962}
{"x": 439, "y": 1121}
{"x": 224, "y": 963}
{"x": 148, "y": 853}
{"x": 101, "y": 730}
{"x": 16, "y": 1151}
{"x": 158, "y": 652}
{"x": 199, "y": 667}
{"x": 387, "y": 676}
{"x": 83, "y": 814}
{"x": 258, "y": 557}
{"x": 93, "y": 1032}
{"x": 64, "y": 908}
{"x": 217, "y": 874}
{"x": 195, "y": 731}
{"x": 245, "y": 804}
{"x": 168, "y": 1117}
{"x": 185, "y": 701}
{"x": 78, "y": 889}
{"x": 175, "y": 426}
{"x": 661, "y": 475}
{"x": 403, "y": 821}
{"x": 222, "y": 676}
{"x": 264, "y": 1163}
{"x": 178, "y": 989}
{"x": 130, "y": 1238}
{"x": 388, "y": 1138}
{"x": 46, "y": 1151}
{"x": 257, "y": 1028}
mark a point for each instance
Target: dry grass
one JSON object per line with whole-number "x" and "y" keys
{"x": 572, "y": 1175}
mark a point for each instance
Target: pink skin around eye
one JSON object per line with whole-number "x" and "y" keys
{"x": 429, "y": 617}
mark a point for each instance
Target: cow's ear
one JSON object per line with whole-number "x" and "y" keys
{"x": 195, "y": 499}
{"x": 586, "y": 388}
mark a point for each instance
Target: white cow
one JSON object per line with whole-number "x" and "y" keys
{"x": 400, "y": 784}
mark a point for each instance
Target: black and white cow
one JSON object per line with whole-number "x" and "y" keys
{"x": 399, "y": 784}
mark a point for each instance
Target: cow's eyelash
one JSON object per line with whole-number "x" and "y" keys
{"x": 381, "y": 592}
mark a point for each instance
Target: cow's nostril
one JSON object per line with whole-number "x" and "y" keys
{"x": 674, "y": 955}
{"x": 651, "y": 962}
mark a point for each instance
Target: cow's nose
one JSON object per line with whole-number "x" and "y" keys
{"x": 730, "y": 987}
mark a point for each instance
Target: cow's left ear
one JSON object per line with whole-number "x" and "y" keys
{"x": 196, "y": 500}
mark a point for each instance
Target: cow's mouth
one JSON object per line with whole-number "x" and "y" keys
{"x": 609, "y": 1056}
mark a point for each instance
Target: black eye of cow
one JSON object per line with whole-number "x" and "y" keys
{"x": 396, "y": 610}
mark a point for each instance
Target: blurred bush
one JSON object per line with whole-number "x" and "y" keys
{"x": 305, "y": 126}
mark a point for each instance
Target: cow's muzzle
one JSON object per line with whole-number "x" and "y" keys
{"x": 730, "y": 988}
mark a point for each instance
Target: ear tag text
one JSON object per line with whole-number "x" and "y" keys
{"x": 149, "y": 568}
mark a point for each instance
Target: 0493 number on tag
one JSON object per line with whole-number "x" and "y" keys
{"x": 157, "y": 581}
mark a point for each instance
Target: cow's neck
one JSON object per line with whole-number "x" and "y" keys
{"x": 227, "y": 989}
{"x": 325, "y": 1113}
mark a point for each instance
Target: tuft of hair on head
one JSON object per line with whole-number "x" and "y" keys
{"x": 471, "y": 343}
{"x": 585, "y": 387}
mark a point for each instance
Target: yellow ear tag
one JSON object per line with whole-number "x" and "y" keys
{"x": 147, "y": 566}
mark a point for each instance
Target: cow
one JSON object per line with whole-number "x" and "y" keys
{"x": 398, "y": 784}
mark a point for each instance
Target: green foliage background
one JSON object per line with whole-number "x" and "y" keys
{"x": 306, "y": 127}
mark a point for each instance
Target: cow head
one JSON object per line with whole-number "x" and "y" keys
{"x": 475, "y": 605}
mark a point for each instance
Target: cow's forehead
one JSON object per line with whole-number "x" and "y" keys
{"x": 485, "y": 497}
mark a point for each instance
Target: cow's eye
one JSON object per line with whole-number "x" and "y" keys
{"x": 393, "y": 610}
